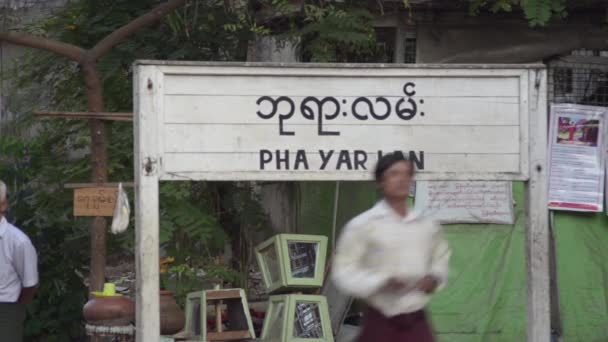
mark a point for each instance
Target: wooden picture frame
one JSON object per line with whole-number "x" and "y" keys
{"x": 282, "y": 269}
{"x": 289, "y": 316}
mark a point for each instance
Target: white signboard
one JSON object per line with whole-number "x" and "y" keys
{"x": 576, "y": 158}
{"x": 197, "y": 121}
{"x": 466, "y": 201}
{"x": 219, "y": 122}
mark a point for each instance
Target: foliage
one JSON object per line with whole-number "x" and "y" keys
{"x": 537, "y": 12}
{"x": 186, "y": 277}
{"x": 36, "y": 163}
{"x": 34, "y": 170}
{"x": 188, "y": 228}
{"x": 331, "y": 34}
{"x": 324, "y": 31}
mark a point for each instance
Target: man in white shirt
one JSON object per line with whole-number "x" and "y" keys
{"x": 393, "y": 259}
{"x": 18, "y": 274}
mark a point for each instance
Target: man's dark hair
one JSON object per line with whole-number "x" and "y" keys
{"x": 388, "y": 160}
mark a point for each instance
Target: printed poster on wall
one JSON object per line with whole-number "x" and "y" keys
{"x": 452, "y": 202}
{"x": 576, "y": 158}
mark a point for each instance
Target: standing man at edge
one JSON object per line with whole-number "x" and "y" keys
{"x": 18, "y": 274}
{"x": 393, "y": 259}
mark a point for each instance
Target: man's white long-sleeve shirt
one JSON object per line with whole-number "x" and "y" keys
{"x": 378, "y": 245}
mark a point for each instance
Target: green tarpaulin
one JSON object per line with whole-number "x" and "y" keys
{"x": 582, "y": 272}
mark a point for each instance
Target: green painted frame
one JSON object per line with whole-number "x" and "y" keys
{"x": 287, "y": 325}
{"x": 286, "y": 280}
{"x": 201, "y": 297}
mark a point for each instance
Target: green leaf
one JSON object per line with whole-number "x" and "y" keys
{"x": 538, "y": 12}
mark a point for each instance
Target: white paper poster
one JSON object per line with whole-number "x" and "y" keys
{"x": 466, "y": 201}
{"x": 576, "y": 158}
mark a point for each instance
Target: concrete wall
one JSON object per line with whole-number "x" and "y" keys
{"x": 459, "y": 38}
{"x": 13, "y": 15}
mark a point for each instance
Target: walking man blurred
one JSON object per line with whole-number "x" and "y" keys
{"x": 393, "y": 259}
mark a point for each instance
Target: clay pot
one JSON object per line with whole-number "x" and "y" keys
{"x": 172, "y": 318}
{"x": 109, "y": 311}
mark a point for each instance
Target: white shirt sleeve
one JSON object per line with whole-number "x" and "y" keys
{"x": 440, "y": 258}
{"x": 25, "y": 261}
{"x": 348, "y": 270}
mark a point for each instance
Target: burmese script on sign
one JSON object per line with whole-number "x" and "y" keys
{"x": 466, "y": 201}
{"x": 316, "y": 123}
{"x": 329, "y": 108}
{"x": 95, "y": 201}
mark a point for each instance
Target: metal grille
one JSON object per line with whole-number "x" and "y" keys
{"x": 410, "y": 50}
{"x": 580, "y": 78}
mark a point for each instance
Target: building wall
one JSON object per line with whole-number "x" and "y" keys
{"x": 459, "y": 38}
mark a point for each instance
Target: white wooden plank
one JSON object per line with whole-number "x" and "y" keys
{"x": 430, "y": 139}
{"x": 438, "y": 111}
{"x": 340, "y": 69}
{"x": 147, "y": 85}
{"x": 247, "y": 166}
{"x": 344, "y": 85}
{"x": 332, "y": 176}
{"x": 524, "y": 117}
{"x": 537, "y": 226}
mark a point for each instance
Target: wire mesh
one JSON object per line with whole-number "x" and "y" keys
{"x": 581, "y": 78}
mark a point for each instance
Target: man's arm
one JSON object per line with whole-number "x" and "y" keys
{"x": 26, "y": 264}
{"x": 27, "y": 295}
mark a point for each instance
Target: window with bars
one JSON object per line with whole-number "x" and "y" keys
{"x": 580, "y": 78}
{"x": 410, "y": 50}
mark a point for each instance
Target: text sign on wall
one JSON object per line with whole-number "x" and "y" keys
{"x": 95, "y": 201}
{"x": 244, "y": 122}
{"x": 466, "y": 201}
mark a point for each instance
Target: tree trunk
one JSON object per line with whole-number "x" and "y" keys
{"x": 99, "y": 160}
{"x": 88, "y": 62}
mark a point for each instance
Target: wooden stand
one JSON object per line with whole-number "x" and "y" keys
{"x": 233, "y": 300}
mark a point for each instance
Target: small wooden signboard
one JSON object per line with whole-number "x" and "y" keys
{"x": 94, "y": 202}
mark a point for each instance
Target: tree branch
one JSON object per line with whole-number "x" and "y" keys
{"x": 118, "y": 36}
{"x": 67, "y": 50}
